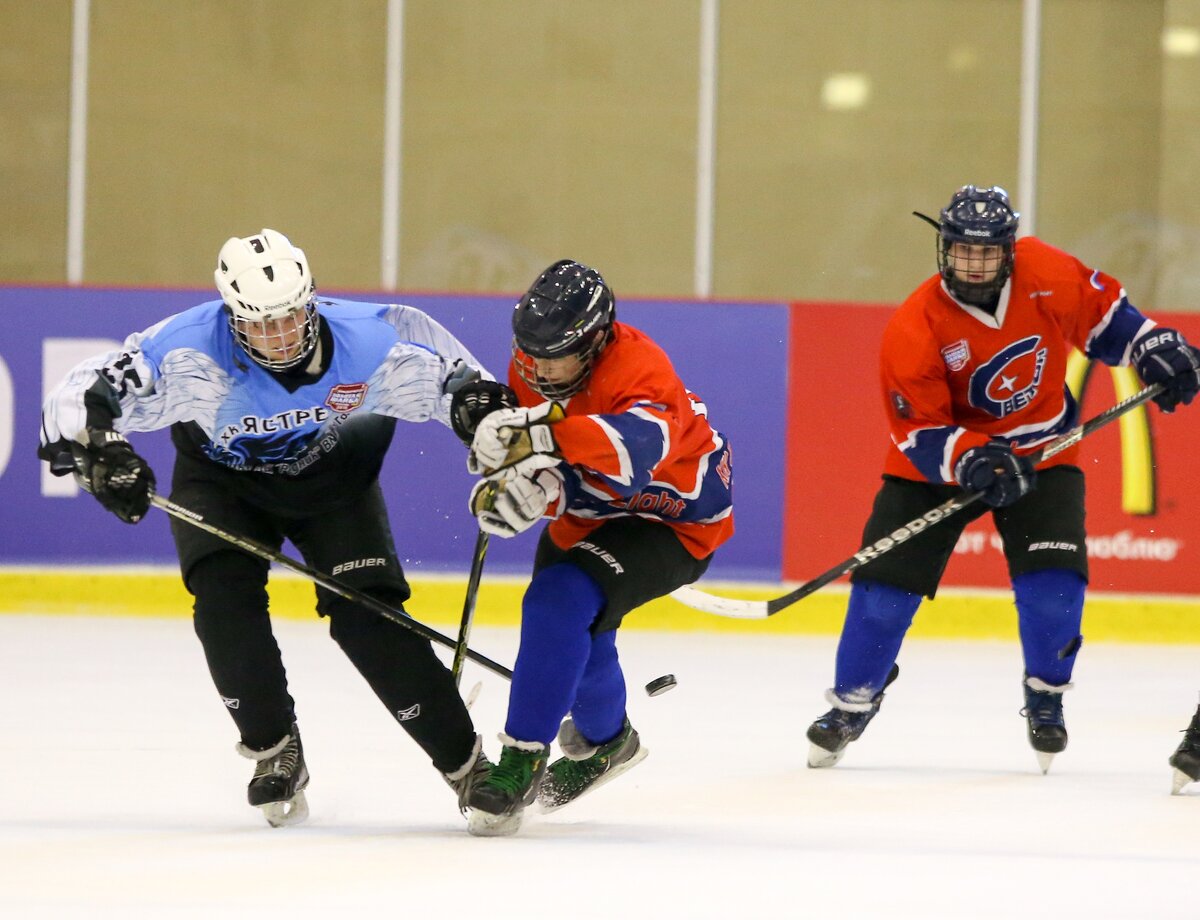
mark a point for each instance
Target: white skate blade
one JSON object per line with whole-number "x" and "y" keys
{"x": 482, "y": 824}
{"x": 1044, "y": 760}
{"x": 283, "y": 814}
{"x": 819, "y": 757}
{"x": 1179, "y": 779}
{"x": 612, "y": 774}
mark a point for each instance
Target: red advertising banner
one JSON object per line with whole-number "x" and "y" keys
{"x": 1143, "y": 505}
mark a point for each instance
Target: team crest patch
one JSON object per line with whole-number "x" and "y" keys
{"x": 346, "y": 396}
{"x": 957, "y": 355}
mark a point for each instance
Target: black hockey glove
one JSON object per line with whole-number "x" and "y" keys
{"x": 474, "y": 401}
{"x": 1163, "y": 356}
{"x": 109, "y": 468}
{"x": 993, "y": 469}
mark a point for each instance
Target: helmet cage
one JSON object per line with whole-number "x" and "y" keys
{"x": 977, "y": 217}
{"x": 526, "y": 365}
{"x": 264, "y": 337}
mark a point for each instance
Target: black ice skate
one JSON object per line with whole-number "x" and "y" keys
{"x": 1043, "y": 709}
{"x": 845, "y": 722}
{"x": 280, "y": 776}
{"x": 585, "y": 766}
{"x": 1186, "y": 759}
{"x": 496, "y": 802}
{"x": 464, "y": 779}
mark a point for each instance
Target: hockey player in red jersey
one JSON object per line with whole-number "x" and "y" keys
{"x": 972, "y": 371}
{"x": 613, "y": 449}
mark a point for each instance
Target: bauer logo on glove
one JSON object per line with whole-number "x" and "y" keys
{"x": 1163, "y": 356}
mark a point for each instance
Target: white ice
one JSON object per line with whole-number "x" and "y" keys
{"x": 122, "y": 795}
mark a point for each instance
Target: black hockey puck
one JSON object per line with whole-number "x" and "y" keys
{"x": 660, "y": 685}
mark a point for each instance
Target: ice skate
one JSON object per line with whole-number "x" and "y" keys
{"x": 845, "y": 722}
{"x": 475, "y": 770}
{"x": 586, "y": 766}
{"x": 1043, "y": 709}
{"x": 496, "y": 802}
{"x": 1186, "y": 759}
{"x": 280, "y": 776}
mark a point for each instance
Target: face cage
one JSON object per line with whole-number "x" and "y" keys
{"x": 983, "y": 294}
{"x": 527, "y": 370}
{"x": 307, "y": 322}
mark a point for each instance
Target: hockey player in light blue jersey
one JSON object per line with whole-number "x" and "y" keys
{"x": 281, "y": 406}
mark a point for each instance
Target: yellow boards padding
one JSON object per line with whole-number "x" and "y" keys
{"x": 957, "y": 614}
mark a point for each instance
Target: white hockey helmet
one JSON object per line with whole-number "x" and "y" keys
{"x": 268, "y": 292}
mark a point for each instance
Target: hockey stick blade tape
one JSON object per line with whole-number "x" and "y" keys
{"x": 661, "y": 685}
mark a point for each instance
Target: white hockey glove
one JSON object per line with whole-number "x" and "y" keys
{"x": 512, "y": 442}
{"x": 513, "y": 506}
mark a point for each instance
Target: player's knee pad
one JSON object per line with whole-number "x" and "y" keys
{"x": 1049, "y": 612}
{"x": 877, "y": 619}
{"x": 230, "y": 590}
{"x": 352, "y": 625}
{"x": 561, "y": 597}
{"x": 882, "y": 607}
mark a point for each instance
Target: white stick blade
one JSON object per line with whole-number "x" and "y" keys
{"x": 720, "y": 606}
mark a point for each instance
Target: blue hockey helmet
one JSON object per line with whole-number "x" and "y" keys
{"x": 567, "y": 312}
{"x": 977, "y": 217}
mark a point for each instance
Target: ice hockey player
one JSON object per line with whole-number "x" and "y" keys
{"x": 610, "y": 445}
{"x": 282, "y": 406}
{"x": 1186, "y": 759}
{"x": 973, "y": 371}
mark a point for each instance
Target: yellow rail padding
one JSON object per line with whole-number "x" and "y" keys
{"x": 437, "y": 600}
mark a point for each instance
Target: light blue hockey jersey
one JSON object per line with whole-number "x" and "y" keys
{"x": 388, "y": 362}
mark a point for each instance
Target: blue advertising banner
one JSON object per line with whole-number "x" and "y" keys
{"x": 734, "y": 355}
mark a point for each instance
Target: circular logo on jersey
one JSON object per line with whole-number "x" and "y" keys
{"x": 1009, "y": 380}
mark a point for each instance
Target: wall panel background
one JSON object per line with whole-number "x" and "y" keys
{"x": 535, "y": 129}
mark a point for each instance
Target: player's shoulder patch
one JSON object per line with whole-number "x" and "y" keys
{"x": 900, "y": 405}
{"x": 957, "y": 354}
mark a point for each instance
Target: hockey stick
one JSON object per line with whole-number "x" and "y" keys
{"x": 327, "y": 582}
{"x": 760, "y": 610}
{"x": 468, "y": 611}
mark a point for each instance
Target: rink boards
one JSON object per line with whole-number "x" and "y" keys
{"x": 955, "y": 613}
{"x": 793, "y": 386}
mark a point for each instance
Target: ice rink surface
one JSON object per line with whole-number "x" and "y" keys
{"x": 122, "y": 795}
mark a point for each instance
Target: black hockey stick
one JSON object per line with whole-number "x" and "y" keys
{"x": 759, "y": 610}
{"x": 468, "y": 611}
{"x": 327, "y": 582}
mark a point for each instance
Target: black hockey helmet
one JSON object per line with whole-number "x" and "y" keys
{"x": 568, "y": 311}
{"x": 979, "y": 217}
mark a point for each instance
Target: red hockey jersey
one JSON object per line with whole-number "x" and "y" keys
{"x": 639, "y": 443}
{"x": 955, "y": 376}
